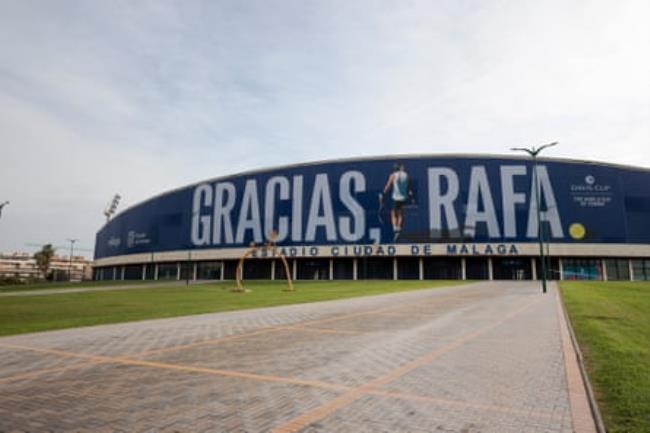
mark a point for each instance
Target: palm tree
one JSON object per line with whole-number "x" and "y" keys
{"x": 44, "y": 258}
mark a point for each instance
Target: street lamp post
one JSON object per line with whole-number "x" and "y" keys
{"x": 72, "y": 241}
{"x": 533, "y": 152}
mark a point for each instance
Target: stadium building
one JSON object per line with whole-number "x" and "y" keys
{"x": 392, "y": 217}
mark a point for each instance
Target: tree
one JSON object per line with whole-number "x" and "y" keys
{"x": 44, "y": 258}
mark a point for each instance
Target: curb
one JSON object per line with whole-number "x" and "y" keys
{"x": 593, "y": 405}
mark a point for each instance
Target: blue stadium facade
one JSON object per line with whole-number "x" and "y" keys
{"x": 392, "y": 217}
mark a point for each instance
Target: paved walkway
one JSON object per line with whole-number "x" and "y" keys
{"x": 485, "y": 357}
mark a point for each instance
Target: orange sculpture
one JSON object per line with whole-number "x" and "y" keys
{"x": 253, "y": 248}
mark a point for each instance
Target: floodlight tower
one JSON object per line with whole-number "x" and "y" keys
{"x": 533, "y": 152}
{"x": 112, "y": 207}
{"x": 2, "y": 205}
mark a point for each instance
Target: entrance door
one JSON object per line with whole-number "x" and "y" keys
{"x": 512, "y": 268}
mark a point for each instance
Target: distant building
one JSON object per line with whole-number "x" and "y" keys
{"x": 22, "y": 266}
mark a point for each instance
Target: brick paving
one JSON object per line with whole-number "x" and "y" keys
{"x": 484, "y": 357}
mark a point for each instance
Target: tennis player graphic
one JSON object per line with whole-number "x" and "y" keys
{"x": 399, "y": 183}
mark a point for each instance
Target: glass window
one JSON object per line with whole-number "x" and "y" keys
{"x": 641, "y": 269}
{"x": 442, "y": 268}
{"x": 280, "y": 271}
{"x": 343, "y": 269}
{"x": 208, "y": 270}
{"x": 582, "y": 269}
{"x": 552, "y": 268}
{"x": 375, "y": 268}
{"x": 408, "y": 268}
{"x": 476, "y": 268}
{"x": 257, "y": 269}
{"x": 511, "y": 268}
{"x": 98, "y": 274}
{"x": 313, "y": 269}
{"x": 617, "y": 269}
{"x": 187, "y": 271}
{"x": 167, "y": 271}
{"x": 133, "y": 272}
{"x": 150, "y": 271}
{"x": 229, "y": 268}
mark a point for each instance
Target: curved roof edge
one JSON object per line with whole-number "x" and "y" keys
{"x": 377, "y": 157}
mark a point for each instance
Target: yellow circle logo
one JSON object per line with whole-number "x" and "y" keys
{"x": 577, "y": 231}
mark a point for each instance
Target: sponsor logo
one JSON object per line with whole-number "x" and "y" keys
{"x": 577, "y": 231}
{"x": 134, "y": 238}
{"x": 591, "y": 194}
{"x": 114, "y": 242}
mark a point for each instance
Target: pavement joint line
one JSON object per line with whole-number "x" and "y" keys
{"x": 366, "y": 389}
{"x": 406, "y": 314}
{"x": 33, "y": 373}
{"x": 217, "y": 340}
{"x": 336, "y": 318}
{"x": 299, "y": 326}
{"x": 325, "y": 330}
{"x": 582, "y": 417}
{"x": 102, "y": 359}
{"x": 320, "y": 412}
{"x": 266, "y": 378}
{"x": 460, "y": 403}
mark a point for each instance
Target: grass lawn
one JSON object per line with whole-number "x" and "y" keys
{"x": 19, "y": 314}
{"x": 612, "y": 324}
{"x": 66, "y": 285}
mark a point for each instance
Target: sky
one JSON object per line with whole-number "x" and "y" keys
{"x": 139, "y": 97}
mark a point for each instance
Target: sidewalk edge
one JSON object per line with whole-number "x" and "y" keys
{"x": 593, "y": 405}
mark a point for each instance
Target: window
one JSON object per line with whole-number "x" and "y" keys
{"x": 187, "y": 270}
{"x": 280, "y": 271}
{"x": 230, "y": 266}
{"x": 552, "y": 265}
{"x": 582, "y": 269}
{"x": 133, "y": 272}
{"x": 208, "y": 271}
{"x": 408, "y": 268}
{"x": 476, "y": 268}
{"x": 343, "y": 269}
{"x": 511, "y": 268}
{"x": 641, "y": 269}
{"x": 313, "y": 269}
{"x": 257, "y": 269}
{"x": 442, "y": 268}
{"x": 167, "y": 271}
{"x": 150, "y": 271}
{"x": 617, "y": 269}
{"x": 377, "y": 268}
